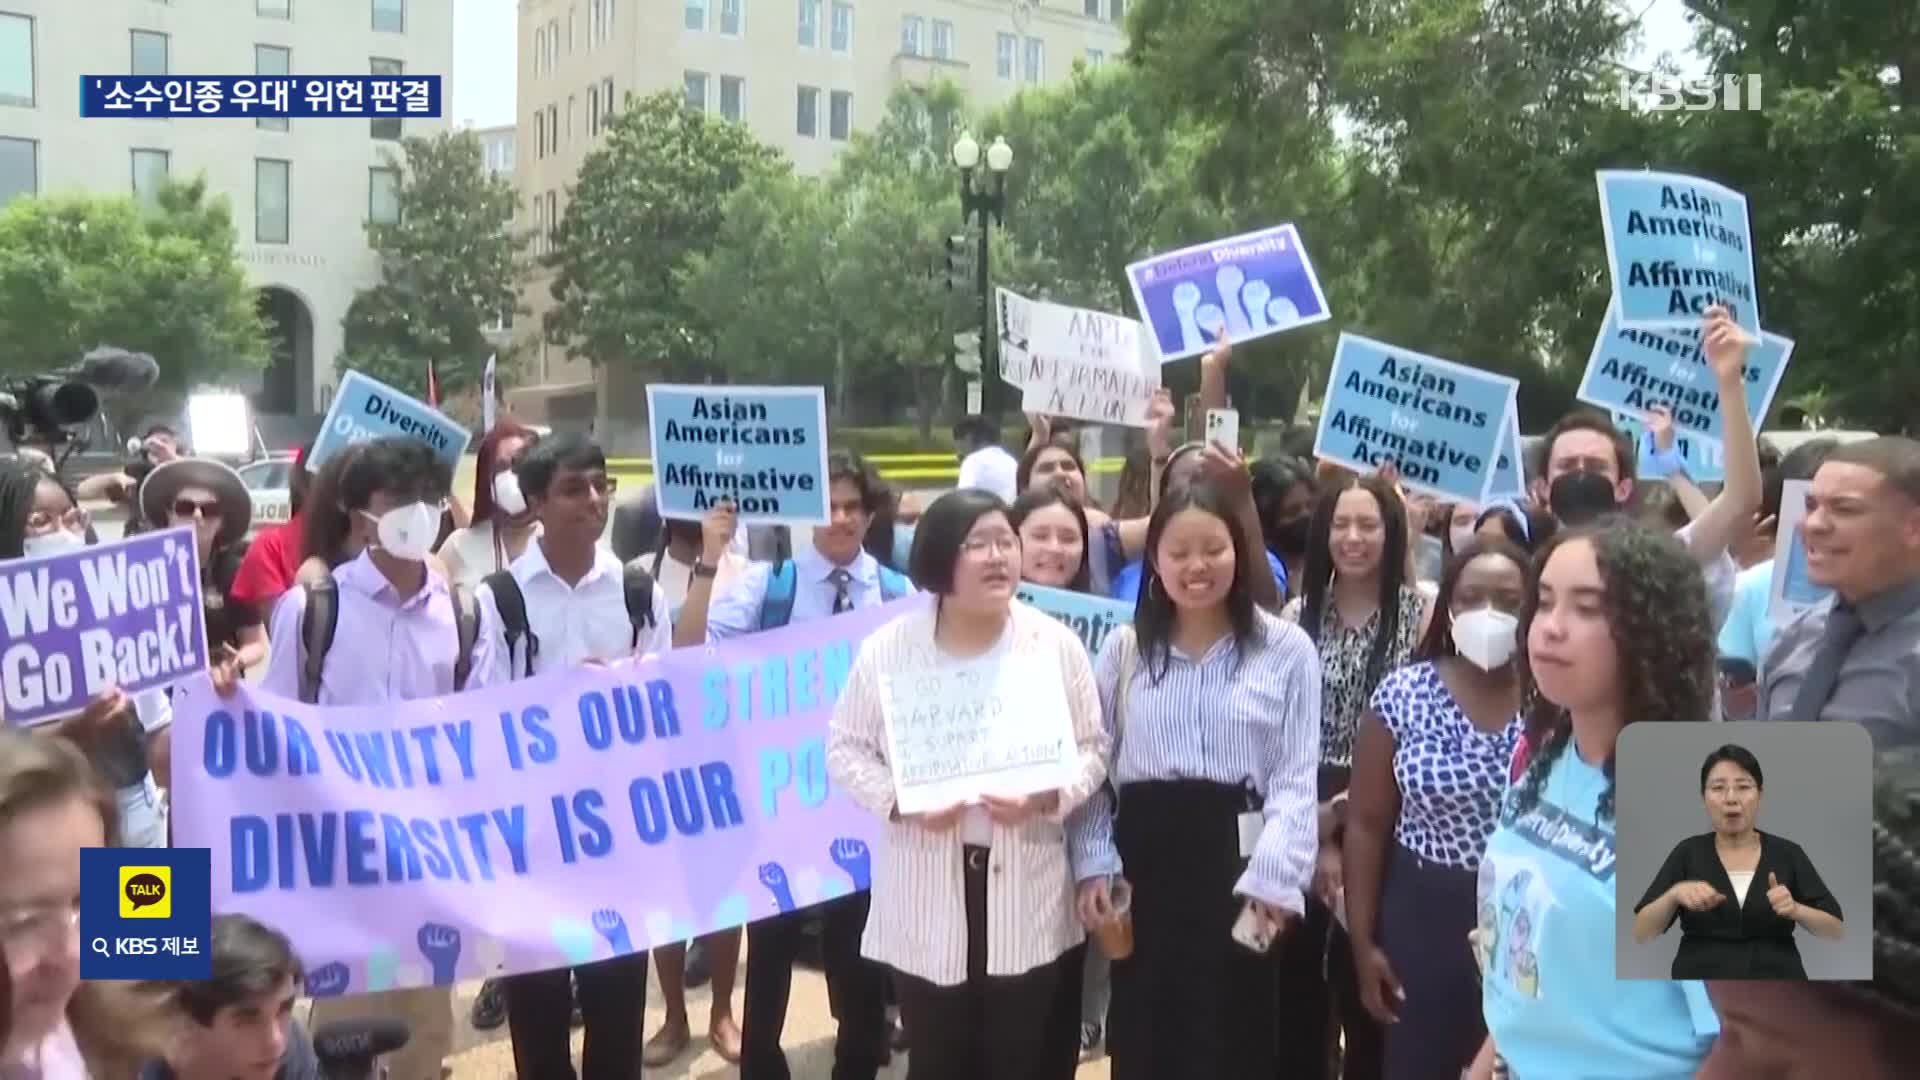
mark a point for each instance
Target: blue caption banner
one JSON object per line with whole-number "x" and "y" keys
{"x": 365, "y": 408}
{"x": 1706, "y": 459}
{"x": 1677, "y": 245}
{"x": 146, "y": 913}
{"x": 1630, "y": 370}
{"x": 303, "y": 96}
{"x": 1092, "y": 618}
{"x": 1440, "y": 422}
{"x": 764, "y": 447}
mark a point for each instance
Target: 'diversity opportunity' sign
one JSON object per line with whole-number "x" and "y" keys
{"x": 764, "y": 447}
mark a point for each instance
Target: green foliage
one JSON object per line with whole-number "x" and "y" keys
{"x": 81, "y": 271}
{"x": 448, "y": 267}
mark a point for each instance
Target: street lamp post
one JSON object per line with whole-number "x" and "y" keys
{"x": 987, "y": 207}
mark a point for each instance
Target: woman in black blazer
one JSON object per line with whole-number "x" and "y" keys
{"x": 1739, "y": 893}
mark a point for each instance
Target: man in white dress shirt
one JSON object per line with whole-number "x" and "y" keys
{"x": 572, "y": 608}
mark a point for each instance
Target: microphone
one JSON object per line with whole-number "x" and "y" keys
{"x": 118, "y": 370}
{"x": 347, "y": 1049}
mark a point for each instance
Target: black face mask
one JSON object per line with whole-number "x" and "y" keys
{"x": 1579, "y": 497}
{"x": 1290, "y": 536}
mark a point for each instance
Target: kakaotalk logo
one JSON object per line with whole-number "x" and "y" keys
{"x": 146, "y": 892}
{"x": 1662, "y": 93}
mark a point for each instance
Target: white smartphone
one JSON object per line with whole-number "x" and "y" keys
{"x": 1252, "y": 930}
{"x": 1223, "y": 427}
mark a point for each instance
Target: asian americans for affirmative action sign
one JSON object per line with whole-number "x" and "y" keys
{"x": 125, "y": 614}
{"x": 764, "y": 447}
{"x": 1632, "y": 370}
{"x": 549, "y": 822}
{"x": 1677, "y": 245}
{"x": 1250, "y": 286}
{"x": 365, "y": 408}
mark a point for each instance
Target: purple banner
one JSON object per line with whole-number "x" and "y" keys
{"x": 1251, "y": 285}
{"x": 125, "y": 614}
{"x": 545, "y": 823}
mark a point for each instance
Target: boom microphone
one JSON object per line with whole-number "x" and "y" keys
{"x": 347, "y": 1049}
{"x": 118, "y": 370}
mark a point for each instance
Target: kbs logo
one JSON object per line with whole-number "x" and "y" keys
{"x": 146, "y": 892}
{"x": 1659, "y": 93}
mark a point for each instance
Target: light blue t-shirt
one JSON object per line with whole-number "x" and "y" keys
{"x": 1546, "y": 914}
{"x": 1747, "y": 632}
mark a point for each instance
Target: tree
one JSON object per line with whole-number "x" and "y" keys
{"x": 448, "y": 266}
{"x": 82, "y": 271}
{"x": 648, "y": 198}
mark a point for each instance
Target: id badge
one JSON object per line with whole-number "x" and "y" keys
{"x": 1250, "y": 824}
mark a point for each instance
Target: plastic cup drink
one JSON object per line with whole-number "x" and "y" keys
{"x": 1115, "y": 935}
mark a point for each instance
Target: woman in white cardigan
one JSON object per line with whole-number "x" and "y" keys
{"x": 973, "y": 903}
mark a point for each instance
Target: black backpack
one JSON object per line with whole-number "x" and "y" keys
{"x": 635, "y": 581}
{"x": 322, "y": 618}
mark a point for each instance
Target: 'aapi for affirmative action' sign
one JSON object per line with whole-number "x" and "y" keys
{"x": 1087, "y": 365}
{"x": 764, "y": 447}
{"x": 549, "y": 822}
{"x": 1440, "y": 422}
{"x": 1250, "y": 286}
{"x": 993, "y": 726}
{"x": 365, "y": 408}
{"x": 1631, "y": 370}
{"x": 125, "y": 615}
{"x": 1016, "y": 327}
{"x": 1677, "y": 245}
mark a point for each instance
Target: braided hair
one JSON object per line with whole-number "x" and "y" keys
{"x": 1657, "y": 615}
{"x": 1896, "y": 889}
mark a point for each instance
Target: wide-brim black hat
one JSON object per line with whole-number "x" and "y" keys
{"x": 165, "y": 483}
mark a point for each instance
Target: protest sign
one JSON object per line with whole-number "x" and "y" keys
{"x": 997, "y": 725}
{"x": 1677, "y": 245}
{"x": 365, "y": 408}
{"x": 552, "y": 821}
{"x": 1442, "y": 423}
{"x": 1706, "y": 459}
{"x": 1016, "y": 326}
{"x": 124, "y": 614}
{"x": 764, "y": 447}
{"x": 1087, "y": 365}
{"x": 1090, "y": 617}
{"x": 1251, "y": 285}
{"x": 1509, "y": 466}
{"x": 1791, "y": 591}
{"x": 1630, "y": 370}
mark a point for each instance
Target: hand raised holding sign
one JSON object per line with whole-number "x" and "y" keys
{"x": 1725, "y": 343}
{"x": 722, "y": 520}
{"x": 1160, "y": 414}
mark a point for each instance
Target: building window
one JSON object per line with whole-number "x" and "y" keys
{"x": 840, "y": 116}
{"x": 149, "y": 53}
{"x": 272, "y": 60}
{"x": 733, "y": 92}
{"x": 553, "y": 126}
{"x": 383, "y": 196}
{"x": 553, "y": 218}
{"x": 911, "y": 27}
{"x": 539, "y": 50}
{"x": 19, "y": 168}
{"x": 697, "y": 91}
{"x": 810, "y": 23}
{"x": 573, "y": 29}
{"x": 807, "y": 122}
{"x": 270, "y": 200}
{"x": 607, "y": 107}
{"x": 593, "y": 110}
{"x": 1036, "y": 60}
{"x": 16, "y": 61}
{"x": 386, "y": 127}
{"x": 1117, "y": 10}
{"x": 149, "y": 174}
{"x": 553, "y": 45}
{"x": 273, "y": 9}
{"x": 942, "y": 39}
{"x": 731, "y": 17}
{"x": 842, "y": 27}
{"x": 696, "y": 14}
{"x": 539, "y": 237}
{"x": 1095, "y": 58}
{"x": 1004, "y": 46}
{"x": 606, "y": 32}
{"x": 573, "y": 109}
{"x": 390, "y": 16}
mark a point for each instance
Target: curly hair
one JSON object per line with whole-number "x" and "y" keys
{"x": 1896, "y": 894}
{"x": 1662, "y": 630}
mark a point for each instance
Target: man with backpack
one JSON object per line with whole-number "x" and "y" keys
{"x": 835, "y": 575}
{"x": 383, "y": 628}
{"x": 567, "y": 601}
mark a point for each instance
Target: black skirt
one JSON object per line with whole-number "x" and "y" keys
{"x": 1190, "y": 1002}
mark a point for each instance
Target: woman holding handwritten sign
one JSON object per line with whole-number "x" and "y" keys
{"x": 972, "y": 903}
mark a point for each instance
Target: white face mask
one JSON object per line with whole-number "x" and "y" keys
{"x": 507, "y": 495}
{"x": 1462, "y": 535}
{"x": 1485, "y": 637}
{"x": 408, "y": 532}
{"x": 57, "y": 542}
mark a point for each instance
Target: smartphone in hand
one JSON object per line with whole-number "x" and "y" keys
{"x": 1223, "y": 427}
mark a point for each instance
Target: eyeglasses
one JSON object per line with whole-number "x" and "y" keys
{"x": 977, "y": 546}
{"x": 73, "y": 518}
{"x": 41, "y": 929}
{"x": 186, "y": 508}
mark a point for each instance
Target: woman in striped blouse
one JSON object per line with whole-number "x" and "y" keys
{"x": 1214, "y": 706}
{"x": 972, "y": 904}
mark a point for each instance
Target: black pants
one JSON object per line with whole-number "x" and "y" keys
{"x": 988, "y": 1027}
{"x": 613, "y": 1001}
{"x": 1426, "y": 910}
{"x": 1322, "y": 992}
{"x": 855, "y": 988}
{"x": 1063, "y": 1031}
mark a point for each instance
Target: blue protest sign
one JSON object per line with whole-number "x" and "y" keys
{"x": 764, "y": 447}
{"x": 146, "y": 913}
{"x": 1677, "y": 245}
{"x": 365, "y": 408}
{"x": 1252, "y": 285}
{"x": 1092, "y": 618}
{"x": 1630, "y": 370}
{"x": 126, "y": 614}
{"x": 1705, "y": 459}
{"x": 1792, "y": 589}
{"x": 1442, "y": 423}
{"x": 1509, "y": 468}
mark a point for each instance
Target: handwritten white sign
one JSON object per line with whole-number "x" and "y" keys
{"x": 1016, "y": 320}
{"x": 998, "y": 725}
{"x": 1088, "y": 365}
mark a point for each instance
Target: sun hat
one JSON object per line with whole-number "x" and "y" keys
{"x": 165, "y": 482}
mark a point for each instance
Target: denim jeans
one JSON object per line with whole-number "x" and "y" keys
{"x": 143, "y": 824}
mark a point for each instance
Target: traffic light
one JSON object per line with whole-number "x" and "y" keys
{"x": 959, "y": 266}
